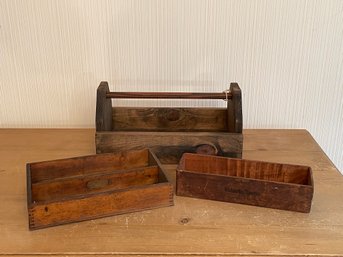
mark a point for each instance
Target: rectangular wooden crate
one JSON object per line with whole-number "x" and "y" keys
{"x": 95, "y": 186}
{"x": 170, "y": 132}
{"x": 272, "y": 185}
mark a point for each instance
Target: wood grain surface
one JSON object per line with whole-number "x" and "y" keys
{"x": 266, "y": 184}
{"x": 79, "y": 185}
{"x": 215, "y": 131}
{"x": 169, "y": 146}
{"x": 193, "y": 227}
{"x": 103, "y": 115}
{"x": 95, "y": 186}
{"x": 169, "y": 119}
{"x": 234, "y": 107}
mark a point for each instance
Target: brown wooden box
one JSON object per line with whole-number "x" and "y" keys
{"x": 95, "y": 186}
{"x": 170, "y": 132}
{"x": 273, "y": 185}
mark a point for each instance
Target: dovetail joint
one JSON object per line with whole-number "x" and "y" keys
{"x": 31, "y": 218}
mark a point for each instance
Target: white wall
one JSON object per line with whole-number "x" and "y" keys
{"x": 286, "y": 55}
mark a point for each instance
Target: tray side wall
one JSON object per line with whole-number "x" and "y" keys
{"x": 100, "y": 205}
{"x": 245, "y": 191}
{"x": 82, "y": 185}
{"x": 87, "y": 165}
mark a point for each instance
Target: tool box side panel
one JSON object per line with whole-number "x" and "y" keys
{"x": 169, "y": 119}
{"x": 246, "y": 191}
{"x": 169, "y": 146}
{"x": 100, "y": 205}
{"x": 234, "y": 110}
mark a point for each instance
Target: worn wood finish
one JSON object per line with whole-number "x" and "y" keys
{"x": 100, "y": 205}
{"x": 192, "y": 227}
{"x": 169, "y": 146}
{"x": 82, "y": 194}
{"x": 103, "y": 115}
{"x": 226, "y": 123}
{"x": 273, "y": 185}
{"x": 87, "y": 165}
{"x": 83, "y": 184}
{"x": 170, "y": 119}
{"x": 234, "y": 109}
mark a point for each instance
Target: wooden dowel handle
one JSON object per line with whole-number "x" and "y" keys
{"x": 169, "y": 95}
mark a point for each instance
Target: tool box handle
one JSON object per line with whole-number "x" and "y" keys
{"x": 233, "y": 97}
{"x": 170, "y": 95}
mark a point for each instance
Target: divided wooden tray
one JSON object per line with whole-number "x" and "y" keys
{"x": 273, "y": 185}
{"x": 170, "y": 132}
{"x": 83, "y": 188}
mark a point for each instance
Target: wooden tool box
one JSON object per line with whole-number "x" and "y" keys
{"x": 273, "y": 185}
{"x": 170, "y": 132}
{"x": 83, "y": 188}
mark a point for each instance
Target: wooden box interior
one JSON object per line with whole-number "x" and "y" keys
{"x": 276, "y": 172}
{"x": 265, "y": 184}
{"x": 81, "y": 176}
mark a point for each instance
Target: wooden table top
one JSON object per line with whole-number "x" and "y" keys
{"x": 192, "y": 226}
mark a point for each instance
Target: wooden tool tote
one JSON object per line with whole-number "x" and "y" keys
{"x": 170, "y": 132}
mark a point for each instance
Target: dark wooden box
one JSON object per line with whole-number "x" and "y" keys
{"x": 89, "y": 187}
{"x": 273, "y": 185}
{"x": 170, "y": 132}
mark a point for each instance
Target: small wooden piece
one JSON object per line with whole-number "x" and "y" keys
{"x": 273, "y": 185}
{"x": 234, "y": 109}
{"x": 170, "y": 131}
{"x": 103, "y": 118}
{"x": 83, "y": 188}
